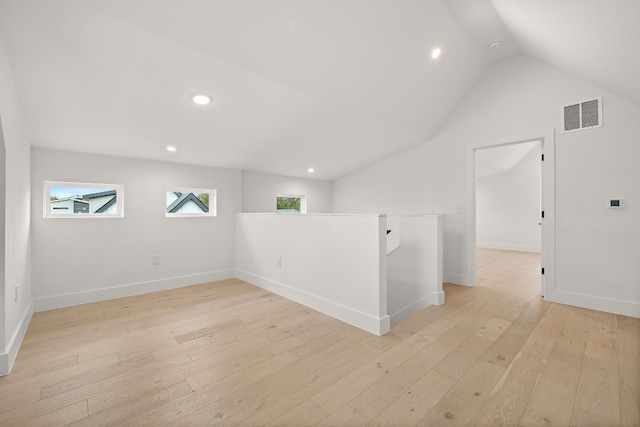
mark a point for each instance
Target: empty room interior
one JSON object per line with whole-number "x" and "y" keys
{"x": 291, "y": 213}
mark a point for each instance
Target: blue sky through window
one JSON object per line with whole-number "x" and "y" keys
{"x": 64, "y": 192}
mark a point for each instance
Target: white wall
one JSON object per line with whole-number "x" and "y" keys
{"x": 4, "y": 356}
{"x": 508, "y": 207}
{"x": 596, "y": 249}
{"x": 335, "y": 264}
{"x": 259, "y": 192}
{"x": 414, "y": 269}
{"x": 16, "y": 269}
{"x": 77, "y": 260}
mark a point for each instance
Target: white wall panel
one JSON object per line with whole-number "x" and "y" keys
{"x": 596, "y": 249}
{"x": 86, "y": 259}
{"x": 259, "y": 192}
{"x": 508, "y": 207}
{"x": 335, "y": 264}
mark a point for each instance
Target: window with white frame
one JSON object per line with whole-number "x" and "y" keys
{"x": 291, "y": 204}
{"x": 185, "y": 202}
{"x": 82, "y": 200}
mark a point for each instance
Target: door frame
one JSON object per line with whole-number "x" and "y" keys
{"x": 547, "y": 189}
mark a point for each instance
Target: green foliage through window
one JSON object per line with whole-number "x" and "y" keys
{"x": 204, "y": 198}
{"x": 182, "y": 202}
{"x": 288, "y": 204}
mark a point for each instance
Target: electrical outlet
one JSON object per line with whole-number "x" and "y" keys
{"x": 279, "y": 261}
{"x": 459, "y": 210}
{"x": 16, "y": 288}
{"x": 155, "y": 259}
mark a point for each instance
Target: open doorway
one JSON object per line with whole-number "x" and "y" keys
{"x": 508, "y": 218}
{"x": 518, "y": 146}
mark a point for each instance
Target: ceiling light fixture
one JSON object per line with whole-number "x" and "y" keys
{"x": 171, "y": 148}
{"x": 201, "y": 99}
{"x": 435, "y": 53}
{"x": 311, "y": 170}
{"x": 494, "y": 44}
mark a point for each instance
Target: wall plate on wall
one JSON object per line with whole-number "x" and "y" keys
{"x": 614, "y": 203}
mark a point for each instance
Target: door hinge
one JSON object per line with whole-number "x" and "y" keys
{"x": 543, "y": 157}
{"x": 542, "y": 214}
{"x": 542, "y": 270}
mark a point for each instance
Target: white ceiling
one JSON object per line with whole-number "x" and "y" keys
{"x": 330, "y": 84}
{"x": 496, "y": 160}
{"x": 595, "y": 40}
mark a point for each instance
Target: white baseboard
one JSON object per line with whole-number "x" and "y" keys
{"x": 7, "y": 359}
{"x": 608, "y": 305}
{"x": 94, "y": 295}
{"x": 434, "y": 298}
{"x": 508, "y": 247}
{"x": 455, "y": 278}
{"x": 378, "y": 326}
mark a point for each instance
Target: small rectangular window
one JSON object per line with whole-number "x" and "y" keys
{"x": 181, "y": 202}
{"x": 82, "y": 200}
{"x": 291, "y": 204}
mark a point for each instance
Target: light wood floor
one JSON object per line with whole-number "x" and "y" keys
{"x": 228, "y": 353}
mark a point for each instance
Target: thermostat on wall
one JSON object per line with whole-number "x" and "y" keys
{"x": 615, "y": 203}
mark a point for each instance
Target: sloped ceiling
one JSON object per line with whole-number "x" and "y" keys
{"x": 595, "y": 40}
{"x": 330, "y": 84}
{"x": 497, "y": 160}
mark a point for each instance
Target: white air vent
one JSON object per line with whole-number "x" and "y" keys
{"x": 582, "y": 115}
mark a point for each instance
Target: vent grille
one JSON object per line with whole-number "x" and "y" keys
{"x": 583, "y": 115}
{"x": 590, "y": 114}
{"x": 571, "y": 117}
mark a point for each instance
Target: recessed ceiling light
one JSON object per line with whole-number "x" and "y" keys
{"x": 171, "y": 148}
{"x": 494, "y": 44}
{"x": 311, "y": 170}
{"x": 435, "y": 53}
{"x": 201, "y": 99}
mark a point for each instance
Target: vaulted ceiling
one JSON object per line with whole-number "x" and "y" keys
{"x": 330, "y": 84}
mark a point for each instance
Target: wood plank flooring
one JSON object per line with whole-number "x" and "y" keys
{"x": 230, "y": 354}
